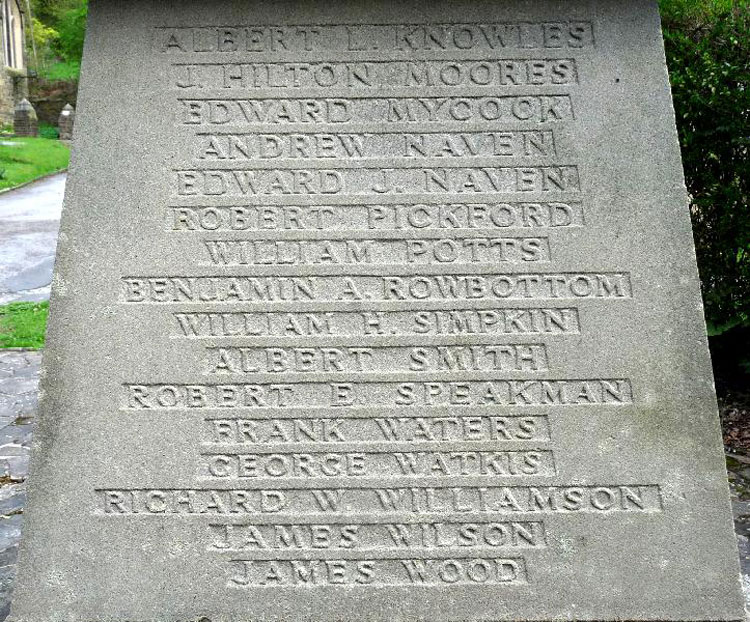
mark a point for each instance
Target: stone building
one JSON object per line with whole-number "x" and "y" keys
{"x": 13, "y": 81}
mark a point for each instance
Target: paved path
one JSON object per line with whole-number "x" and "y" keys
{"x": 19, "y": 373}
{"x": 19, "y": 380}
{"x": 29, "y": 221}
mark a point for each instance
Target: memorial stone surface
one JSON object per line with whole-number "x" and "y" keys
{"x": 377, "y": 311}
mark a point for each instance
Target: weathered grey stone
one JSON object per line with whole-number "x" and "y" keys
{"x": 380, "y": 311}
{"x": 12, "y": 499}
{"x": 66, "y": 122}
{"x": 15, "y": 439}
{"x": 25, "y": 122}
{"x": 14, "y": 86}
{"x": 14, "y": 462}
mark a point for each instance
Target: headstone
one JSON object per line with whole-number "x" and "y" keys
{"x": 66, "y": 122}
{"x": 377, "y": 311}
{"x": 25, "y": 122}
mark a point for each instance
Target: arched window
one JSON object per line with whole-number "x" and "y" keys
{"x": 12, "y": 34}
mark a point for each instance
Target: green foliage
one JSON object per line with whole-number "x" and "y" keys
{"x": 49, "y": 131}
{"x": 45, "y": 10}
{"x": 57, "y": 34}
{"x": 708, "y": 53}
{"x": 23, "y": 324}
{"x": 49, "y": 11}
{"x": 64, "y": 71}
{"x": 72, "y": 28}
{"x": 26, "y": 159}
{"x": 44, "y": 37}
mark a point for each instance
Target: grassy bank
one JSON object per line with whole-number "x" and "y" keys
{"x": 60, "y": 71}
{"x": 23, "y": 324}
{"x": 25, "y": 159}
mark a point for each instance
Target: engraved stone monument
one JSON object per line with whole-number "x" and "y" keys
{"x": 382, "y": 311}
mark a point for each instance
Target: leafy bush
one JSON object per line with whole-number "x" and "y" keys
{"x": 56, "y": 36}
{"x": 708, "y": 52}
{"x": 48, "y": 131}
{"x": 72, "y": 29}
{"x": 42, "y": 37}
{"x": 45, "y": 10}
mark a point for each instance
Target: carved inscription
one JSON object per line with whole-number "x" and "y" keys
{"x": 423, "y": 426}
{"x": 219, "y": 147}
{"x": 428, "y": 218}
{"x": 554, "y": 35}
{"x": 531, "y": 109}
{"x": 377, "y": 74}
{"x": 377, "y": 303}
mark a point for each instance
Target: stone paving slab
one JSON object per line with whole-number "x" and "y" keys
{"x": 19, "y": 380}
{"x": 19, "y": 377}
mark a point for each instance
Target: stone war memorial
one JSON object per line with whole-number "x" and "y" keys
{"x": 380, "y": 311}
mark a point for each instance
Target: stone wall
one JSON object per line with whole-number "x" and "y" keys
{"x": 13, "y": 88}
{"x": 49, "y": 98}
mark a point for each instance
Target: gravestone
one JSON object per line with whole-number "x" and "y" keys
{"x": 66, "y": 122}
{"x": 25, "y": 122}
{"x": 376, "y": 311}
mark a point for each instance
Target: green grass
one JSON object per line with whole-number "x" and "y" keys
{"x": 25, "y": 159}
{"x": 23, "y": 324}
{"x": 60, "y": 71}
